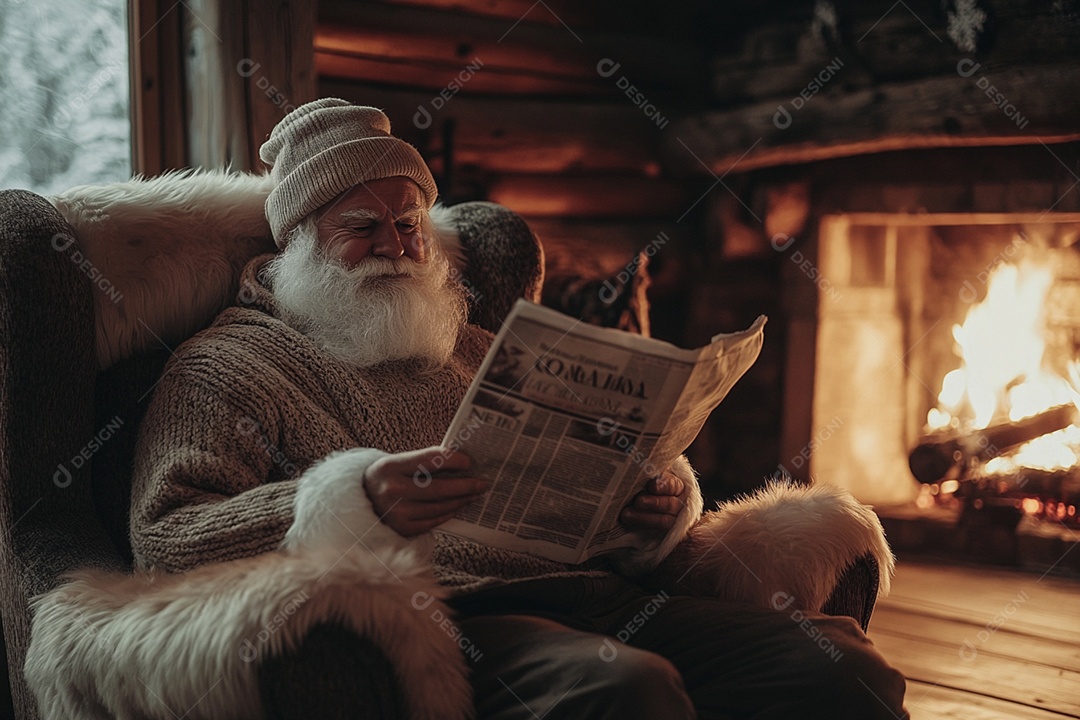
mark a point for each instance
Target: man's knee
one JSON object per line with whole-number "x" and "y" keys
{"x": 638, "y": 684}
{"x": 532, "y": 667}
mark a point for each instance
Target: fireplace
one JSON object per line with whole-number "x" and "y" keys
{"x": 895, "y": 292}
{"x": 884, "y": 286}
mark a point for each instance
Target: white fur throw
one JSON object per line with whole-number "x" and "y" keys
{"x": 165, "y": 253}
{"x": 788, "y": 539}
{"x": 168, "y": 646}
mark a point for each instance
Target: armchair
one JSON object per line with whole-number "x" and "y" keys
{"x": 95, "y": 288}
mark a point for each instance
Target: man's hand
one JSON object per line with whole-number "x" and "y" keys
{"x": 654, "y": 509}
{"x": 416, "y": 491}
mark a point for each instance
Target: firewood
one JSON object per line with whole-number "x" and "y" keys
{"x": 938, "y": 453}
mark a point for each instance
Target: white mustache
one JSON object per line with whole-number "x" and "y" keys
{"x": 375, "y": 267}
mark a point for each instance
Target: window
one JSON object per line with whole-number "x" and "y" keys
{"x": 65, "y": 118}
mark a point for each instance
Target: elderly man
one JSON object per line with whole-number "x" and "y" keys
{"x": 348, "y": 358}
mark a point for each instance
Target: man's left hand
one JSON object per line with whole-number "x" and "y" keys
{"x": 654, "y": 509}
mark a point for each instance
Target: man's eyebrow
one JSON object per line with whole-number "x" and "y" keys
{"x": 353, "y": 215}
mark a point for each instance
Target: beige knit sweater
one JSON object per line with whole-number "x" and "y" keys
{"x": 243, "y": 415}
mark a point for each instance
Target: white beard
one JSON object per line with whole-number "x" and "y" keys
{"x": 364, "y": 316}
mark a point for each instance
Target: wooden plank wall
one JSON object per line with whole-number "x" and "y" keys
{"x": 505, "y": 101}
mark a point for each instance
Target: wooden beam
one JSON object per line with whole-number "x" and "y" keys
{"x": 503, "y": 135}
{"x": 435, "y": 76}
{"x": 591, "y": 196}
{"x": 430, "y": 38}
{"x": 880, "y": 42}
{"x": 643, "y": 14}
{"x": 280, "y": 39}
{"x": 157, "y": 87}
{"x": 934, "y": 113}
{"x": 602, "y": 249}
{"x": 246, "y": 69}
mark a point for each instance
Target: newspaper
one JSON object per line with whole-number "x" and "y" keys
{"x": 569, "y": 421}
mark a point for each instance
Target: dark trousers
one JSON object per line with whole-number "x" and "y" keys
{"x": 594, "y": 648}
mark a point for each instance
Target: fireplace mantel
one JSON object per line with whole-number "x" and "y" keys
{"x": 867, "y": 78}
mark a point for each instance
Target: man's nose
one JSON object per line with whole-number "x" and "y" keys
{"x": 388, "y": 243}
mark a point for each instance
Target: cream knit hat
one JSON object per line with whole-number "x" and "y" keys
{"x": 325, "y": 147}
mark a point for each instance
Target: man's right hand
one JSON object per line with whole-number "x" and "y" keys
{"x": 412, "y": 496}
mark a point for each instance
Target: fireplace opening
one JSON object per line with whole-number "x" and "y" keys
{"x": 945, "y": 369}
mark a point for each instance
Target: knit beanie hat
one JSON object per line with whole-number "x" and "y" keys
{"x": 325, "y": 147}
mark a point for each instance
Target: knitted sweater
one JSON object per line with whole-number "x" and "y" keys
{"x": 247, "y": 412}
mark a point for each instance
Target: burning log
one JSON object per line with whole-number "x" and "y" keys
{"x": 938, "y": 453}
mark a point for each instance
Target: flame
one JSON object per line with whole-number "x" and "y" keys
{"x": 1002, "y": 374}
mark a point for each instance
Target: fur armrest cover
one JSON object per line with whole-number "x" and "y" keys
{"x": 788, "y": 539}
{"x": 107, "y": 645}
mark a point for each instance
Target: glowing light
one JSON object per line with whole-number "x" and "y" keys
{"x": 1002, "y": 377}
{"x": 1000, "y": 342}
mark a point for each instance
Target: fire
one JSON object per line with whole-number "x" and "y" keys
{"x": 1003, "y": 375}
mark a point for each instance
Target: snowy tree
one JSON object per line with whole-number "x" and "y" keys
{"x": 64, "y": 99}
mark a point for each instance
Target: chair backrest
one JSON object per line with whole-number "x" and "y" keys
{"x": 69, "y": 425}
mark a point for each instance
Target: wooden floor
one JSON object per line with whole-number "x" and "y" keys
{"x": 983, "y": 644}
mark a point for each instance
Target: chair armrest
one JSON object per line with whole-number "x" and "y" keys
{"x": 47, "y": 373}
{"x": 855, "y": 594}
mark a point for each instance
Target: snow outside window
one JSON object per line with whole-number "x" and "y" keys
{"x": 64, "y": 99}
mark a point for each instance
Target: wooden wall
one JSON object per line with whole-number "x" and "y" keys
{"x": 505, "y": 101}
